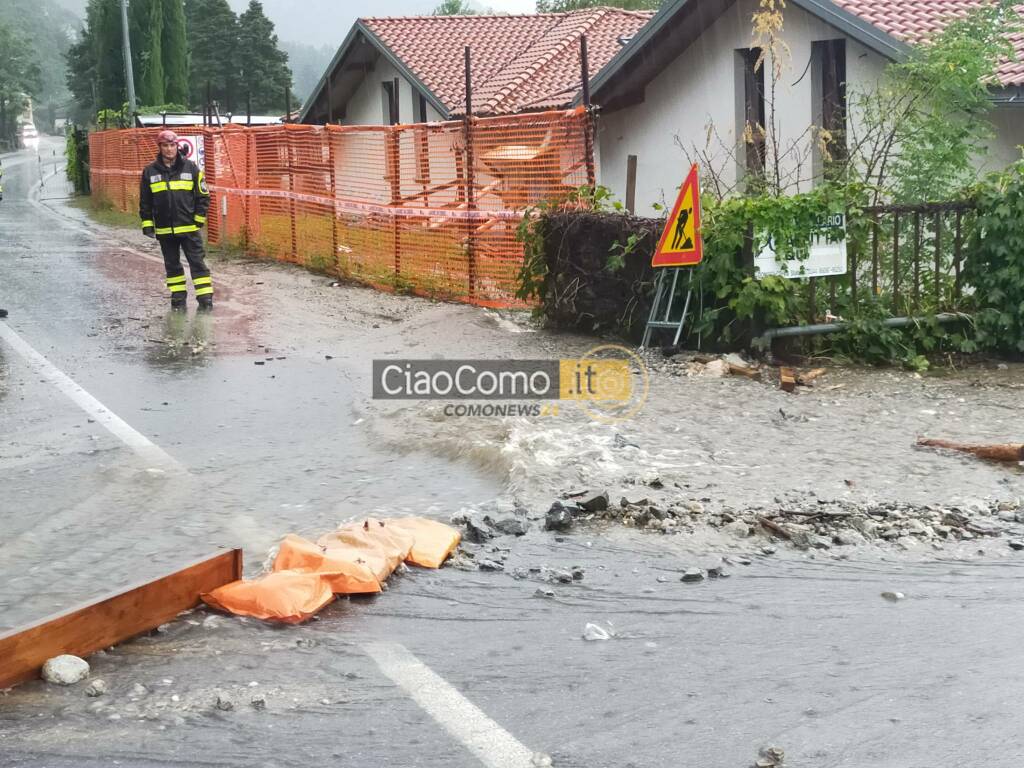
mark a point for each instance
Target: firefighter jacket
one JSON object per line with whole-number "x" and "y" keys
{"x": 173, "y": 200}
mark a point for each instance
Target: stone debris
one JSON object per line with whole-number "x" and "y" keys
{"x": 558, "y": 518}
{"x": 692, "y": 575}
{"x": 65, "y": 670}
{"x": 594, "y": 632}
{"x": 96, "y": 688}
{"x": 224, "y": 703}
{"x": 540, "y": 760}
{"x": 893, "y": 597}
{"x": 770, "y": 757}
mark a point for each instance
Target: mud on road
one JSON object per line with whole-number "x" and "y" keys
{"x": 795, "y": 647}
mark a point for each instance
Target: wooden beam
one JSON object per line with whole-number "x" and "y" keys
{"x": 112, "y": 619}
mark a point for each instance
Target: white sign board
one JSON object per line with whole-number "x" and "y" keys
{"x": 824, "y": 258}
{"x": 194, "y": 150}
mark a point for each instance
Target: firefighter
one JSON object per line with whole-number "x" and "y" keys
{"x": 173, "y": 201}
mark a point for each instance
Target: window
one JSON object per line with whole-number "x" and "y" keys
{"x": 751, "y": 109}
{"x": 389, "y": 102}
{"x": 829, "y": 58}
{"x": 421, "y": 114}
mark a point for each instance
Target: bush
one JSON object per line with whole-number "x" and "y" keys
{"x": 994, "y": 265}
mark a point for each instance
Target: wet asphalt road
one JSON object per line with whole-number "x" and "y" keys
{"x": 797, "y": 652}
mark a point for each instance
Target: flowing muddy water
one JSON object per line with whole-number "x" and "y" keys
{"x": 796, "y": 649}
{"x": 742, "y": 443}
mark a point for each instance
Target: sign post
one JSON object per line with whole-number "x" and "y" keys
{"x": 680, "y": 246}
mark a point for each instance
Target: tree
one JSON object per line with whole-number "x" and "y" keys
{"x": 45, "y": 27}
{"x": 147, "y": 50}
{"x": 264, "y": 66}
{"x": 561, "y": 6}
{"x": 19, "y": 76}
{"x": 174, "y": 45}
{"x": 212, "y": 46}
{"x": 454, "y": 8}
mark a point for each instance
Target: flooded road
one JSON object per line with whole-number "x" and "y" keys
{"x": 264, "y": 413}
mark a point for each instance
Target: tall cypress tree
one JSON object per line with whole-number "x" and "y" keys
{"x": 110, "y": 79}
{"x": 174, "y": 42}
{"x": 151, "y": 75}
{"x": 264, "y": 65}
{"x": 212, "y": 45}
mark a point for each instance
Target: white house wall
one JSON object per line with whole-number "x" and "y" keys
{"x": 698, "y": 91}
{"x": 366, "y": 105}
{"x": 1005, "y": 148}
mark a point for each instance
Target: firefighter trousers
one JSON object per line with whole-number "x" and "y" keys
{"x": 192, "y": 244}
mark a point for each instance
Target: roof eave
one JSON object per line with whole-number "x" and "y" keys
{"x": 858, "y": 29}
{"x": 360, "y": 28}
{"x": 400, "y": 65}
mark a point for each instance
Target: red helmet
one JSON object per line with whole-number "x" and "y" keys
{"x": 165, "y": 137}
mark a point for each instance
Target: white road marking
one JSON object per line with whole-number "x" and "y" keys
{"x": 493, "y": 745}
{"x": 142, "y": 445}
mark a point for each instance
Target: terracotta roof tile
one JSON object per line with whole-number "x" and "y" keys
{"x": 522, "y": 62}
{"x": 916, "y": 20}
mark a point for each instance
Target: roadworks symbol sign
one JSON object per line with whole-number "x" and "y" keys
{"x": 680, "y": 244}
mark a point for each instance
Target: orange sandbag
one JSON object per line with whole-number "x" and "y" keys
{"x": 375, "y": 539}
{"x": 343, "y": 575}
{"x": 287, "y": 596}
{"x": 434, "y": 541}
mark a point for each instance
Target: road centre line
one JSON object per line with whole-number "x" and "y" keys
{"x": 493, "y": 745}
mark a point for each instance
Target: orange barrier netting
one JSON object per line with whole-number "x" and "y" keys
{"x": 430, "y": 208}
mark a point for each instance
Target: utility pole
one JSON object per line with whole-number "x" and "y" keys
{"x": 129, "y": 75}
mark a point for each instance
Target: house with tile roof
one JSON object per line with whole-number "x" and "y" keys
{"x": 687, "y": 81}
{"x": 411, "y": 69}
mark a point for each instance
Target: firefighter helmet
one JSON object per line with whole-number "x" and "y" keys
{"x": 167, "y": 137}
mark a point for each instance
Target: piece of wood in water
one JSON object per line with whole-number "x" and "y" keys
{"x": 805, "y": 379}
{"x": 1006, "y": 452}
{"x": 787, "y": 379}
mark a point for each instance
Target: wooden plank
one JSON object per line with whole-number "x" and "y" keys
{"x": 787, "y": 379}
{"x": 112, "y": 619}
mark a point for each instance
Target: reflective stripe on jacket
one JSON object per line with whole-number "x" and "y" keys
{"x": 173, "y": 200}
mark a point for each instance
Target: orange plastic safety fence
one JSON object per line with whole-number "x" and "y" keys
{"x": 427, "y": 208}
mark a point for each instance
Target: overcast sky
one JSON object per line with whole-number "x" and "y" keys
{"x": 326, "y": 22}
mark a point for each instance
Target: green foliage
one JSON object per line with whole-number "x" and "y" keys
{"x": 736, "y": 226}
{"x": 561, "y": 6}
{"x": 174, "y": 51}
{"x": 454, "y": 8}
{"x": 619, "y": 252}
{"x": 262, "y": 63}
{"x": 213, "y": 45}
{"x": 922, "y": 128}
{"x": 40, "y": 33}
{"x": 77, "y": 152}
{"x": 995, "y": 262}
{"x": 149, "y": 73}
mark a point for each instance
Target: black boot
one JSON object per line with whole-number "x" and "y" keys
{"x": 205, "y": 303}
{"x": 178, "y": 305}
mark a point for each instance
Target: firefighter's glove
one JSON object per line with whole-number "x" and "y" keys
{"x": 149, "y": 232}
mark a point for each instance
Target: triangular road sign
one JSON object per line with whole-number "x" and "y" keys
{"x": 681, "y": 244}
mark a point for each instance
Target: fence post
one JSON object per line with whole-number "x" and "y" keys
{"x": 588, "y": 124}
{"x": 291, "y": 195}
{"x": 334, "y": 202}
{"x": 631, "y": 184}
{"x": 470, "y": 191}
{"x": 938, "y": 261}
{"x": 393, "y": 161}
